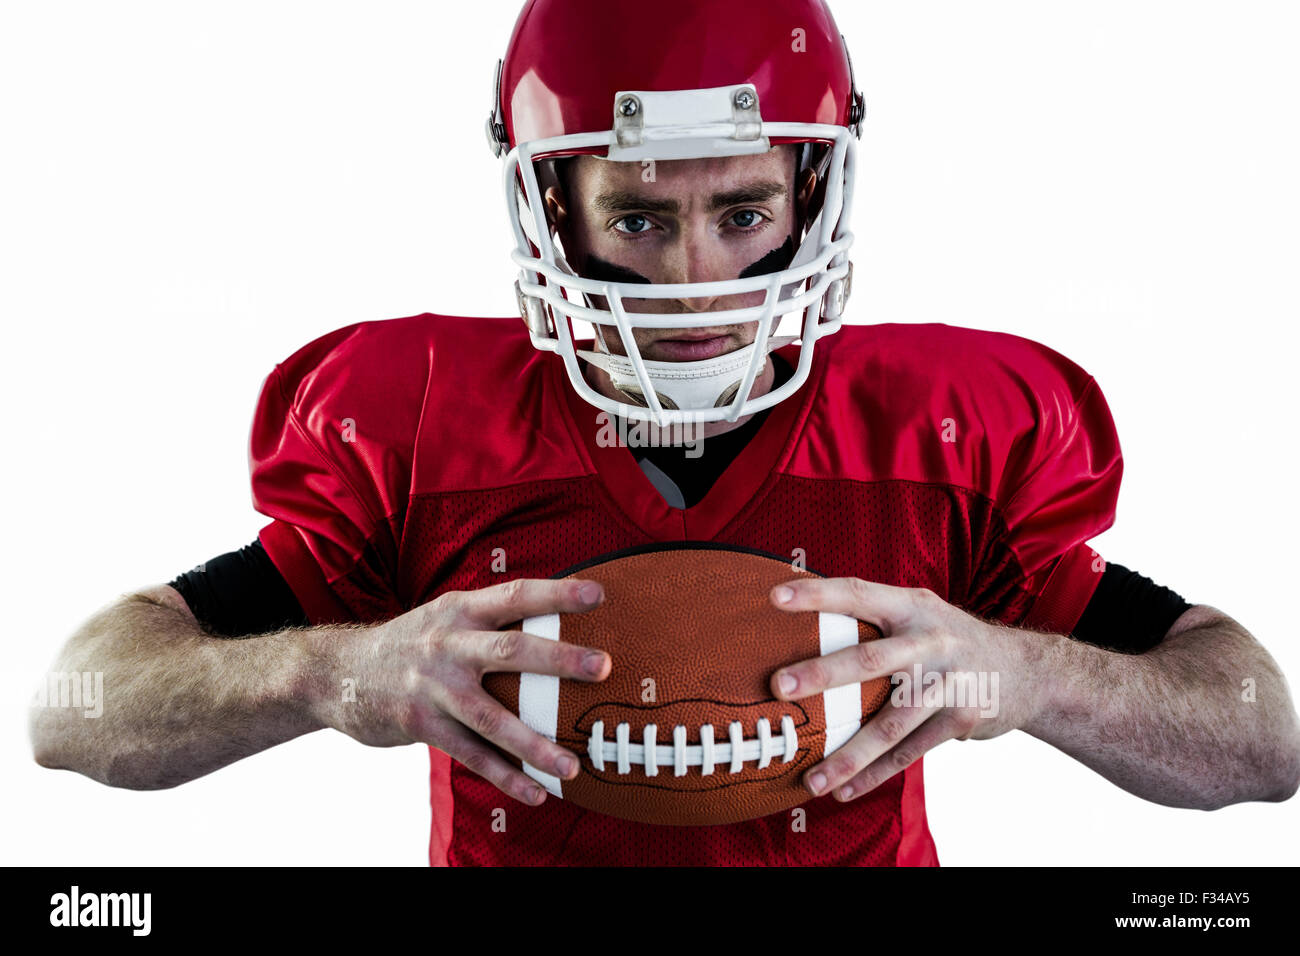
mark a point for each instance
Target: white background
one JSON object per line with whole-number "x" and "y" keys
{"x": 191, "y": 191}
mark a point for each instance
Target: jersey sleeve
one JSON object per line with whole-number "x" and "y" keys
{"x": 329, "y": 459}
{"x": 1059, "y": 489}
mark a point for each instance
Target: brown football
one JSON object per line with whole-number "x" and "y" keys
{"x": 685, "y": 730}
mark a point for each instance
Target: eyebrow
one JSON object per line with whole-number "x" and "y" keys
{"x": 619, "y": 200}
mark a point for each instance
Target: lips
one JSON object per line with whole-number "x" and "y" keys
{"x": 692, "y": 349}
{"x": 696, "y": 335}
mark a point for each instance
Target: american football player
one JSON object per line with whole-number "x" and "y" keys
{"x": 680, "y": 208}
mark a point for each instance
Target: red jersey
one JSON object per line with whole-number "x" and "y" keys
{"x": 401, "y": 459}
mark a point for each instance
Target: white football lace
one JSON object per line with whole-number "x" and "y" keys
{"x": 650, "y": 755}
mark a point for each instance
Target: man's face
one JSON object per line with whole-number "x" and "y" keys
{"x": 693, "y": 220}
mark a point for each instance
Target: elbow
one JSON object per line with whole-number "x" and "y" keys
{"x": 1286, "y": 792}
{"x": 1287, "y": 783}
{"x": 44, "y": 740}
{"x": 129, "y": 774}
{"x": 1287, "y": 778}
{"x": 1274, "y": 781}
{"x": 54, "y": 748}
{"x": 1279, "y": 783}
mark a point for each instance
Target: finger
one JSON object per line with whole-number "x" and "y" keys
{"x": 471, "y": 751}
{"x": 491, "y": 651}
{"x": 854, "y": 664}
{"x": 522, "y": 598}
{"x": 938, "y": 729}
{"x": 884, "y": 605}
{"x": 886, "y": 730}
{"x": 483, "y": 715}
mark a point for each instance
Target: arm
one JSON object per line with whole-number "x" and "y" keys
{"x": 1175, "y": 725}
{"x": 178, "y": 702}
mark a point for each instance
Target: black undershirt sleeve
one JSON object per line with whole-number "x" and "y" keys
{"x": 240, "y": 594}
{"x": 1128, "y": 612}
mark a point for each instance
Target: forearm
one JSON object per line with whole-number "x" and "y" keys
{"x": 1174, "y": 725}
{"x": 177, "y": 703}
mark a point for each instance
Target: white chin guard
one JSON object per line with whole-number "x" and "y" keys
{"x": 709, "y": 383}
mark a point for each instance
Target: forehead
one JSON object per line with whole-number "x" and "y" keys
{"x": 680, "y": 175}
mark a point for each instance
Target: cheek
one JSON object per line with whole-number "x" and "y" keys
{"x": 772, "y": 261}
{"x": 578, "y": 235}
{"x": 575, "y": 241}
{"x": 767, "y": 250}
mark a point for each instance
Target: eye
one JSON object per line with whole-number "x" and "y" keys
{"x": 746, "y": 218}
{"x": 635, "y": 224}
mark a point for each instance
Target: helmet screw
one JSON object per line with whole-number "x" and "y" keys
{"x": 629, "y": 106}
{"x": 744, "y": 100}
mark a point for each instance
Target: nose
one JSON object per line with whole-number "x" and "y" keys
{"x": 695, "y": 257}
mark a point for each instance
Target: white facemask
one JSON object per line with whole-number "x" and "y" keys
{"x": 710, "y": 383}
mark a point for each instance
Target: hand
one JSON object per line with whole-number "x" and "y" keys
{"x": 922, "y": 633}
{"x": 419, "y": 678}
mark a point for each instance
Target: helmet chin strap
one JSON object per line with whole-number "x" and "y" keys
{"x": 709, "y": 383}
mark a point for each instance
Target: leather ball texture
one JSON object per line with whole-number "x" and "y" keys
{"x": 685, "y": 731}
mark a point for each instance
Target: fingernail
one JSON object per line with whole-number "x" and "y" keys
{"x": 846, "y": 792}
{"x": 535, "y": 795}
{"x": 787, "y": 683}
{"x": 589, "y": 593}
{"x": 566, "y": 765}
{"x": 593, "y": 663}
{"x": 818, "y": 782}
{"x": 783, "y": 594}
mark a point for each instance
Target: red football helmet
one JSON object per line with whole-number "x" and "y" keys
{"x": 677, "y": 79}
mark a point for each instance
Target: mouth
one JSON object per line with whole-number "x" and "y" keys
{"x": 689, "y": 347}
